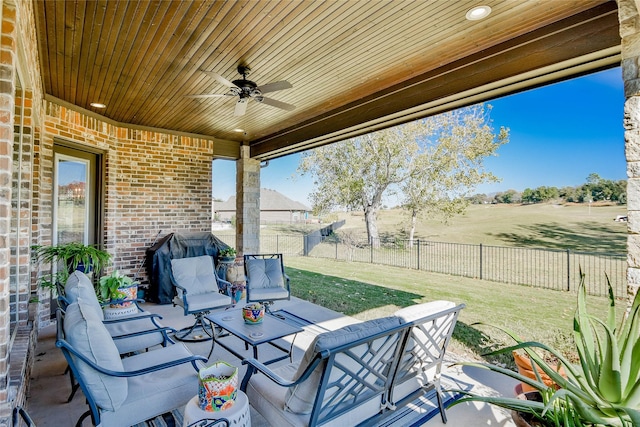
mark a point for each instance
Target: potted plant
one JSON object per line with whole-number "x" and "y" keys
{"x": 73, "y": 256}
{"x": 118, "y": 293}
{"x": 603, "y": 389}
{"x": 227, "y": 254}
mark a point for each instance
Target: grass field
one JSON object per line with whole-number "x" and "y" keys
{"x": 575, "y": 227}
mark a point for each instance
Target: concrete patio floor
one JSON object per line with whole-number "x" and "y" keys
{"x": 49, "y": 387}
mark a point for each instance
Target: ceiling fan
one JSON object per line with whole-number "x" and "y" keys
{"x": 246, "y": 89}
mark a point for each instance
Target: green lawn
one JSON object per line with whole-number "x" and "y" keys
{"x": 367, "y": 291}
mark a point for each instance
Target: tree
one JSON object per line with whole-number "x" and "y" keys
{"x": 507, "y": 197}
{"x": 356, "y": 173}
{"x": 452, "y": 147}
{"x": 430, "y": 161}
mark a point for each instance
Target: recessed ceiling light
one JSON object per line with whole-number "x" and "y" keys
{"x": 98, "y": 105}
{"x": 238, "y": 130}
{"x": 478, "y": 12}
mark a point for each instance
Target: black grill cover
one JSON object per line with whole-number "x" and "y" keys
{"x": 175, "y": 245}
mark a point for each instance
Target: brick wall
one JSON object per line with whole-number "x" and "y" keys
{"x": 7, "y": 89}
{"x": 154, "y": 182}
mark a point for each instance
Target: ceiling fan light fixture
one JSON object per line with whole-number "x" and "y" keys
{"x": 478, "y": 12}
{"x": 98, "y": 105}
{"x": 246, "y": 89}
{"x": 238, "y": 130}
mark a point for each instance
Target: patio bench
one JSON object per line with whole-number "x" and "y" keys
{"x": 359, "y": 374}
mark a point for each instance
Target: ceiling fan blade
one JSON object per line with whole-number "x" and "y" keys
{"x": 219, "y": 78}
{"x": 272, "y": 87}
{"x": 241, "y": 107}
{"x": 277, "y": 104}
{"x": 209, "y": 95}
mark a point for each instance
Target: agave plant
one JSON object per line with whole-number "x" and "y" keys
{"x": 603, "y": 389}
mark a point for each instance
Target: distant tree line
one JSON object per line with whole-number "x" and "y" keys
{"x": 594, "y": 190}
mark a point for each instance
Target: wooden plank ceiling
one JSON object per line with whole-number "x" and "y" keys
{"x": 354, "y": 65}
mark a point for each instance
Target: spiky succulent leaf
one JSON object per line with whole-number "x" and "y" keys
{"x": 609, "y": 381}
{"x": 583, "y": 336}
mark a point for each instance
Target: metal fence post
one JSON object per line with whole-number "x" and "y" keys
{"x": 418, "y": 254}
{"x": 568, "y": 270}
{"x": 480, "y": 261}
{"x": 277, "y": 243}
{"x": 305, "y": 245}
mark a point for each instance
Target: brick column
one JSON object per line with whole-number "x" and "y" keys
{"x": 630, "y": 33}
{"x": 7, "y": 105}
{"x": 247, "y": 203}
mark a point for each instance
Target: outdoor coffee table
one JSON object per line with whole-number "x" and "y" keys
{"x": 267, "y": 332}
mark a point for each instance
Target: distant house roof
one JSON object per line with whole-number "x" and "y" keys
{"x": 270, "y": 200}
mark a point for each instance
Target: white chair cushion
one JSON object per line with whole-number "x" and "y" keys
{"x": 299, "y": 399}
{"x": 88, "y": 335}
{"x": 208, "y": 301}
{"x": 137, "y": 342}
{"x": 264, "y": 273}
{"x": 195, "y": 274}
{"x": 268, "y": 294}
{"x": 157, "y": 392}
{"x": 79, "y": 285}
{"x": 419, "y": 311}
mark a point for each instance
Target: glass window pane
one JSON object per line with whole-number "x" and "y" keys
{"x": 71, "y": 200}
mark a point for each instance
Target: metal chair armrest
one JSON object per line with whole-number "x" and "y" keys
{"x": 151, "y": 316}
{"x": 255, "y": 366}
{"x": 224, "y": 286}
{"x": 163, "y": 330}
{"x": 63, "y": 344}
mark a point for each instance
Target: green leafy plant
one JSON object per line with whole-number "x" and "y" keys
{"x": 227, "y": 253}
{"x": 603, "y": 389}
{"x": 108, "y": 286}
{"x": 68, "y": 257}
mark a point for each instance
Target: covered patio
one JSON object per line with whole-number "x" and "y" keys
{"x": 50, "y": 386}
{"x": 148, "y": 94}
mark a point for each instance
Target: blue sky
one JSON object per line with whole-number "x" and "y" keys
{"x": 559, "y": 134}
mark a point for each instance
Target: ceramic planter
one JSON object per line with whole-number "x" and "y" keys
{"x": 253, "y": 313}
{"x": 218, "y": 386}
{"x": 119, "y": 310}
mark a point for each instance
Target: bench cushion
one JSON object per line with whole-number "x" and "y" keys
{"x": 419, "y": 311}
{"x": 88, "y": 335}
{"x": 299, "y": 399}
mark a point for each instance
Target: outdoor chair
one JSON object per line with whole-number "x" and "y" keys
{"x": 133, "y": 333}
{"x": 125, "y": 391}
{"x": 79, "y": 285}
{"x": 266, "y": 279}
{"x": 199, "y": 291}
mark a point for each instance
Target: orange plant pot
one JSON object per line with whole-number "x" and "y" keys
{"x": 524, "y": 368}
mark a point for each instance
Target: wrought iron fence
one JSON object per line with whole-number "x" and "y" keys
{"x": 544, "y": 268}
